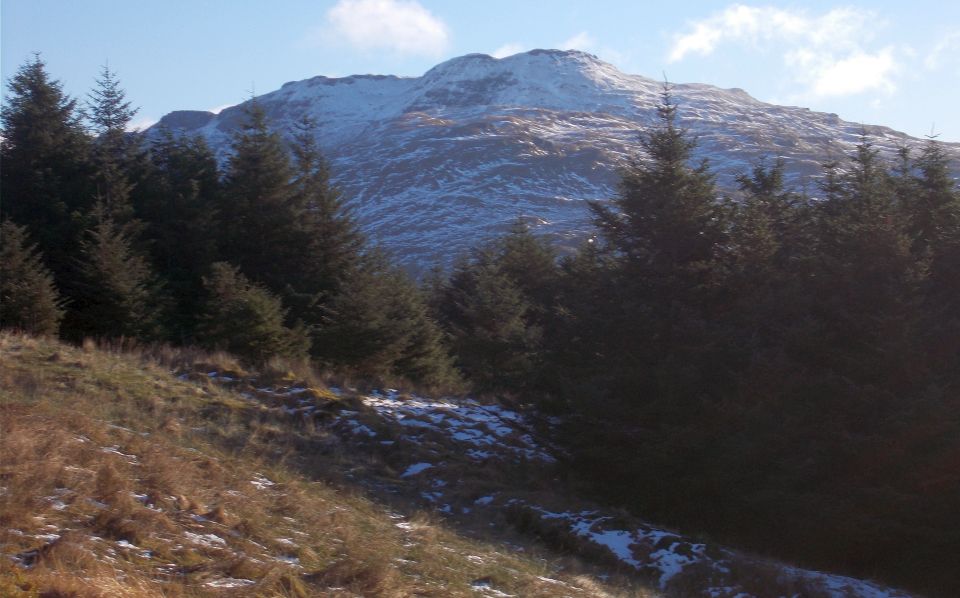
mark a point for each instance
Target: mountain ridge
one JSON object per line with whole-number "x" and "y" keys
{"x": 432, "y": 165}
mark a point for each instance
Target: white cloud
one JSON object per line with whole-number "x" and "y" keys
{"x": 141, "y": 124}
{"x": 403, "y": 26}
{"x": 581, "y": 41}
{"x": 220, "y": 108}
{"x": 948, "y": 46}
{"x": 856, "y": 74}
{"x": 585, "y": 42}
{"x": 827, "y": 54}
{"x": 509, "y": 49}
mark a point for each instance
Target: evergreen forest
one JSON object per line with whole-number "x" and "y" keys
{"x": 776, "y": 369}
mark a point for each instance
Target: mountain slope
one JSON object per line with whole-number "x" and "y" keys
{"x": 121, "y": 479}
{"x": 434, "y": 164}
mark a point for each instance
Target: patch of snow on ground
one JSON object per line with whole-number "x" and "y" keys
{"x": 839, "y": 586}
{"x": 229, "y": 582}
{"x": 415, "y": 469}
{"x": 261, "y": 482}
{"x": 115, "y": 450}
{"x": 484, "y": 586}
{"x": 358, "y": 429}
{"x": 467, "y": 422}
{"x": 207, "y": 540}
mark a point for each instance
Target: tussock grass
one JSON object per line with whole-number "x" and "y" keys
{"x": 119, "y": 478}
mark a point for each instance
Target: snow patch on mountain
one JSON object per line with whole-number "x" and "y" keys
{"x": 432, "y": 165}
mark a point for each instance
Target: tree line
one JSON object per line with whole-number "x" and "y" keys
{"x": 107, "y": 234}
{"x": 779, "y": 369}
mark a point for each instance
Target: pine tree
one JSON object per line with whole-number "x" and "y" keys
{"x": 664, "y": 232}
{"x": 931, "y": 202}
{"x": 114, "y": 293}
{"x": 46, "y": 173}
{"x": 933, "y": 213}
{"x": 487, "y": 316}
{"x": 28, "y": 298}
{"x": 114, "y": 149}
{"x": 378, "y": 324}
{"x": 666, "y": 218}
{"x": 177, "y": 204}
{"x": 329, "y": 242}
{"x": 246, "y": 319}
{"x": 865, "y": 277}
{"x": 495, "y": 309}
{"x": 258, "y": 218}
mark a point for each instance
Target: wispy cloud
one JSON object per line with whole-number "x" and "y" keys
{"x": 141, "y": 124}
{"x": 585, "y": 42}
{"x": 830, "y": 54}
{"x": 581, "y": 41}
{"x": 946, "y": 49}
{"x": 509, "y": 49}
{"x": 401, "y": 26}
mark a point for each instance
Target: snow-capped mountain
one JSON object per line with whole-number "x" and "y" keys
{"x": 434, "y": 164}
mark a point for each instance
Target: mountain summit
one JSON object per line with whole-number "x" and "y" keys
{"x": 434, "y": 164}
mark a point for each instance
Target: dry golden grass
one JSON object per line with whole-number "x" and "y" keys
{"x": 120, "y": 479}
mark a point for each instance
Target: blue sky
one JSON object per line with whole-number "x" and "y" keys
{"x": 890, "y": 63}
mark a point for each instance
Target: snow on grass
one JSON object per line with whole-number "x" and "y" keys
{"x": 415, "y": 469}
{"x": 667, "y": 555}
{"x": 839, "y": 586}
{"x": 484, "y": 586}
{"x": 115, "y": 450}
{"x": 489, "y": 427}
{"x": 261, "y": 481}
{"x": 634, "y": 547}
{"x": 206, "y": 540}
{"x": 229, "y": 582}
{"x": 358, "y": 429}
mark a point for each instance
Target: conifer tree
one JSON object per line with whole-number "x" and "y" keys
{"x": 664, "y": 231}
{"x": 114, "y": 148}
{"x": 258, "y": 218}
{"x": 933, "y": 213}
{"x": 46, "y": 173}
{"x": 329, "y": 243}
{"x": 378, "y": 324}
{"x": 486, "y": 315}
{"x": 866, "y": 279}
{"x": 246, "y": 319}
{"x": 177, "y": 204}
{"x": 931, "y": 202}
{"x": 495, "y": 309}
{"x": 28, "y": 298}
{"x": 115, "y": 292}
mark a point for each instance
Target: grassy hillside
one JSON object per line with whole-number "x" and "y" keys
{"x": 119, "y": 479}
{"x": 161, "y": 472}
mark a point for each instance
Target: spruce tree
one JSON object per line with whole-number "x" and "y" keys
{"x": 114, "y": 148}
{"x": 487, "y": 316}
{"x": 664, "y": 232}
{"x": 257, "y": 215}
{"x": 114, "y": 292}
{"x": 246, "y": 319}
{"x": 378, "y": 324}
{"x": 46, "y": 172}
{"x": 177, "y": 204}
{"x": 28, "y": 297}
{"x": 866, "y": 279}
{"x": 329, "y": 242}
{"x": 496, "y": 307}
